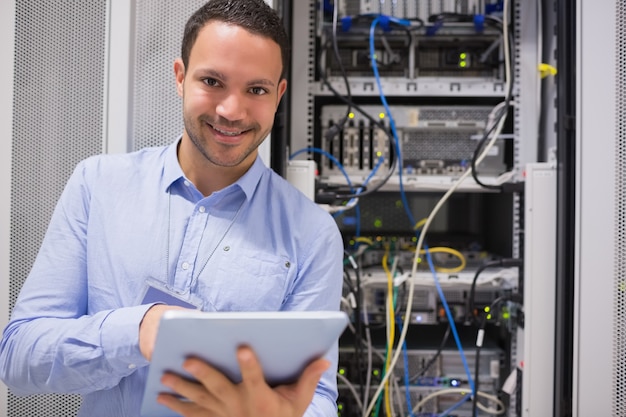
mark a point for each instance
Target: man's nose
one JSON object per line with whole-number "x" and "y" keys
{"x": 232, "y": 107}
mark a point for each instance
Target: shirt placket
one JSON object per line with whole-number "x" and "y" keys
{"x": 191, "y": 253}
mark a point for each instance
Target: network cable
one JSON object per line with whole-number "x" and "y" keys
{"x": 434, "y": 211}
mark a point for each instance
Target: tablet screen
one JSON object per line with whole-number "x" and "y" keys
{"x": 284, "y": 342}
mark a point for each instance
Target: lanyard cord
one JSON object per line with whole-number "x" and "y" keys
{"x": 206, "y": 262}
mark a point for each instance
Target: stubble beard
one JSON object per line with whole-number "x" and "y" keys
{"x": 194, "y": 131}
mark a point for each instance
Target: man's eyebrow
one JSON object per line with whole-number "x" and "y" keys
{"x": 262, "y": 81}
{"x": 205, "y": 72}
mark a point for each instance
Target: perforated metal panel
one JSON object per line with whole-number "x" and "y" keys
{"x": 157, "y": 109}
{"x": 57, "y": 121}
{"x": 619, "y": 320}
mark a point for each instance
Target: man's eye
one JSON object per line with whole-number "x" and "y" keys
{"x": 212, "y": 82}
{"x": 258, "y": 91}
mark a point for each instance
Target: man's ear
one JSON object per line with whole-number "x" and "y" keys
{"x": 179, "y": 72}
{"x": 282, "y": 87}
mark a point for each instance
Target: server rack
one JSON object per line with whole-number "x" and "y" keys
{"x": 436, "y": 76}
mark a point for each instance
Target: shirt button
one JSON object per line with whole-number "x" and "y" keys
{"x": 186, "y": 183}
{"x": 201, "y": 209}
{"x": 185, "y": 265}
{"x": 132, "y": 366}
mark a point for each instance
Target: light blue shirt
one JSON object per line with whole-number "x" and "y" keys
{"x": 127, "y": 221}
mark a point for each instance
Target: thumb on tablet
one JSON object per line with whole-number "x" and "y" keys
{"x": 301, "y": 393}
{"x": 313, "y": 372}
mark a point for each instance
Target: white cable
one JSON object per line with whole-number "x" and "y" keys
{"x": 464, "y": 391}
{"x": 398, "y": 398}
{"x": 350, "y": 386}
{"x": 368, "y": 339}
{"x": 443, "y": 199}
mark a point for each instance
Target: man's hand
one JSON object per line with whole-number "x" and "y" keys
{"x": 149, "y": 327}
{"x": 215, "y": 395}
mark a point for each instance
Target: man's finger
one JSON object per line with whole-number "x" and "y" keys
{"x": 301, "y": 393}
{"x": 212, "y": 380}
{"x": 188, "y": 390}
{"x": 251, "y": 370}
{"x": 180, "y": 406}
{"x": 310, "y": 377}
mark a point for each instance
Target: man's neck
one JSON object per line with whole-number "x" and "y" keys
{"x": 206, "y": 176}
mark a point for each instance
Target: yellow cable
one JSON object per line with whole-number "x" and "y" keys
{"x": 419, "y": 224}
{"x": 546, "y": 70}
{"x": 444, "y": 249}
{"x": 392, "y": 326}
{"x": 364, "y": 240}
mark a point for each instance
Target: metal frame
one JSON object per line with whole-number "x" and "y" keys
{"x": 539, "y": 289}
{"x": 594, "y": 384}
{"x": 118, "y": 72}
{"x": 7, "y": 34}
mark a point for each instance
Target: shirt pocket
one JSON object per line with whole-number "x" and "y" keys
{"x": 245, "y": 282}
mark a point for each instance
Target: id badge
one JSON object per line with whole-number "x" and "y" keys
{"x": 158, "y": 295}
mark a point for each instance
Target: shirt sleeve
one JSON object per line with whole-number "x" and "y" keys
{"x": 318, "y": 287}
{"x": 52, "y": 343}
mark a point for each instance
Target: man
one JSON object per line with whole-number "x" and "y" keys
{"x": 201, "y": 223}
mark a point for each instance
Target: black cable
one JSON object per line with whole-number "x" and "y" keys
{"x": 432, "y": 360}
{"x": 501, "y": 263}
{"x": 358, "y": 328}
{"x": 479, "y": 343}
{"x": 461, "y": 18}
{"x": 375, "y": 122}
{"x": 481, "y": 144}
{"x": 335, "y": 129}
{"x": 502, "y": 114}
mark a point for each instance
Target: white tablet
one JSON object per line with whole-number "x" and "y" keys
{"x": 284, "y": 342}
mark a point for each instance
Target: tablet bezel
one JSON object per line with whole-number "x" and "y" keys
{"x": 284, "y": 342}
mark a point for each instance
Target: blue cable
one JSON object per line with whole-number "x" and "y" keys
{"x": 405, "y": 357}
{"x": 470, "y": 380}
{"x": 455, "y": 406}
{"x": 328, "y": 155}
{"x": 406, "y": 205}
{"x": 392, "y": 123}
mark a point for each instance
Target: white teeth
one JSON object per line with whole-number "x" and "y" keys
{"x": 227, "y": 133}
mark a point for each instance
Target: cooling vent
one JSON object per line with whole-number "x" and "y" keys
{"x": 57, "y": 121}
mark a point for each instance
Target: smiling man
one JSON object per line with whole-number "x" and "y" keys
{"x": 201, "y": 223}
{"x": 231, "y": 83}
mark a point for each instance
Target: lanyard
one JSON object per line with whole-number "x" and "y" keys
{"x": 171, "y": 280}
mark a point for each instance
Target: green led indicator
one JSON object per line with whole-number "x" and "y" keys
{"x": 378, "y": 223}
{"x": 340, "y": 406}
{"x": 376, "y": 372}
{"x": 506, "y": 315}
{"x": 463, "y": 56}
{"x": 342, "y": 371}
{"x": 487, "y": 309}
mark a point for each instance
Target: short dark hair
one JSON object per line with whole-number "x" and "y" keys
{"x": 255, "y": 16}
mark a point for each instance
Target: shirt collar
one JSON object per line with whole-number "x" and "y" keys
{"x": 249, "y": 181}
{"x": 172, "y": 171}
